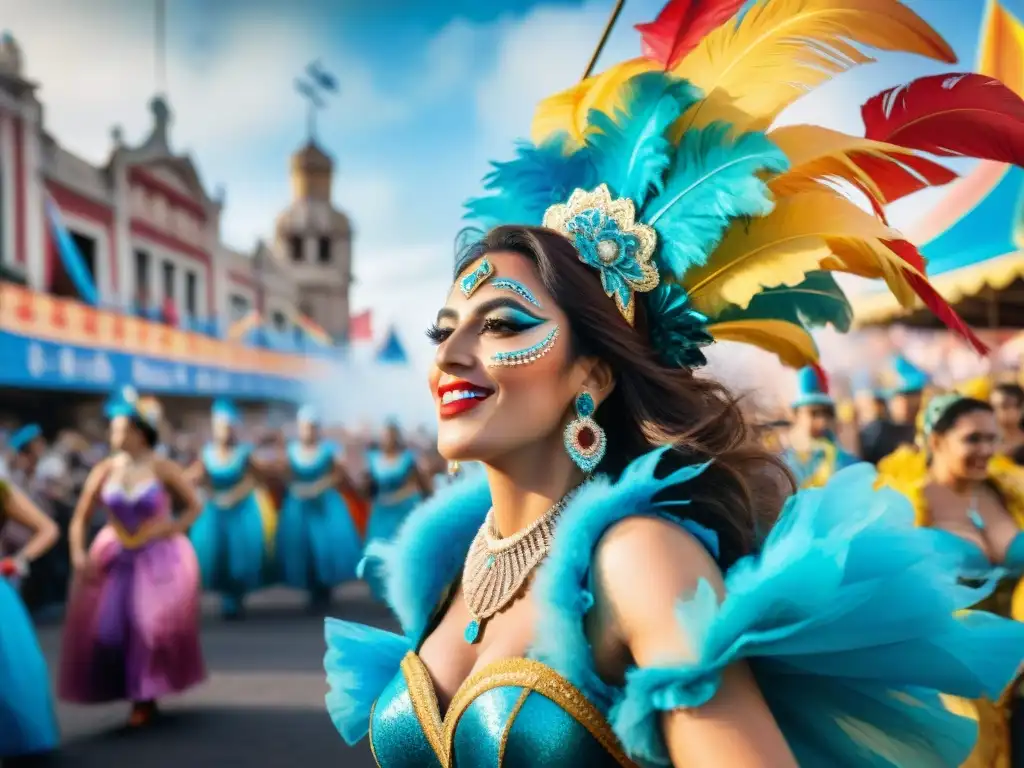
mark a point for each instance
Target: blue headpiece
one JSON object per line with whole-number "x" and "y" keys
{"x": 906, "y": 377}
{"x": 20, "y": 439}
{"x": 309, "y": 415}
{"x": 812, "y": 389}
{"x": 225, "y": 410}
{"x": 937, "y": 407}
{"x": 126, "y": 402}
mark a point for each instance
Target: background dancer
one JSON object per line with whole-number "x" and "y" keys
{"x": 962, "y": 490}
{"x": 813, "y": 453}
{"x": 230, "y": 535}
{"x": 28, "y": 727}
{"x": 132, "y": 626}
{"x": 318, "y": 546}
{"x": 397, "y": 485}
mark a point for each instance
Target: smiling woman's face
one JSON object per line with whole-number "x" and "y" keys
{"x": 503, "y": 378}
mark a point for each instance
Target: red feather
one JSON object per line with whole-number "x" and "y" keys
{"x": 902, "y": 175}
{"x": 967, "y": 115}
{"x": 937, "y": 305}
{"x": 822, "y": 378}
{"x": 680, "y": 27}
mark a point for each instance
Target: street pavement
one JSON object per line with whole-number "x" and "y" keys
{"x": 262, "y": 705}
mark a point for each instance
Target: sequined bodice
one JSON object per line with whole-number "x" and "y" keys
{"x": 226, "y": 473}
{"x": 131, "y": 510}
{"x": 310, "y": 466}
{"x": 513, "y": 712}
{"x": 391, "y": 474}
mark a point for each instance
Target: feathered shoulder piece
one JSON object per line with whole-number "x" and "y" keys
{"x": 668, "y": 176}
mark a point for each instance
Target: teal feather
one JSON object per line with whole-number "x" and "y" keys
{"x": 525, "y": 187}
{"x": 713, "y": 180}
{"x": 629, "y": 149}
{"x": 816, "y": 302}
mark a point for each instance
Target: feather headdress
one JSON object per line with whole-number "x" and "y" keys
{"x": 744, "y": 223}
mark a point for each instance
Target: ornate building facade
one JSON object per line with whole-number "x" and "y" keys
{"x": 149, "y": 231}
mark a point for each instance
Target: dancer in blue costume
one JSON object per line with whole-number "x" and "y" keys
{"x": 603, "y": 597}
{"x": 814, "y": 453}
{"x": 318, "y": 546}
{"x": 229, "y": 535}
{"x": 398, "y": 485}
{"x": 28, "y": 726}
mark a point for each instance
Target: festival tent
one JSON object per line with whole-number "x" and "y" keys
{"x": 973, "y": 239}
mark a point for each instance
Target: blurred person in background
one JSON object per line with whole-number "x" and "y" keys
{"x": 28, "y": 726}
{"x": 318, "y": 546}
{"x": 231, "y": 535}
{"x": 813, "y": 454}
{"x": 1008, "y": 404}
{"x": 132, "y": 626}
{"x": 397, "y": 483}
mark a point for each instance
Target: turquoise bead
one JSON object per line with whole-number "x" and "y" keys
{"x": 490, "y": 562}
{"x": 472, "y": 632}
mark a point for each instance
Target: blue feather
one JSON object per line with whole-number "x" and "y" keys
{"x": 629, "y": 148}
{"x": 524, "y": 188}
{"x": 714, "y": 179}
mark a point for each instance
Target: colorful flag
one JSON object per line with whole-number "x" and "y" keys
{"x": 360, "y": 326}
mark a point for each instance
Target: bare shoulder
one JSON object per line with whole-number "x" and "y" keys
{"x": 643, "y": 567}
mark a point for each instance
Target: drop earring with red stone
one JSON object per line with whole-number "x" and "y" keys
{"x": 585, "y": 441}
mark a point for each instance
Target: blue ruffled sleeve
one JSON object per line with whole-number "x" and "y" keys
{"x": 360, "y": 662}
{"x": 848, "y": 619}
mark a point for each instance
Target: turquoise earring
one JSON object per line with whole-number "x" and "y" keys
{"x": 585, "y": 441}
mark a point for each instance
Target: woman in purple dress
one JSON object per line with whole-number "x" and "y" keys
{"x": 132, "y": 628}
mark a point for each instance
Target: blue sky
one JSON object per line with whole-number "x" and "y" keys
{"x": 429, "y": 92}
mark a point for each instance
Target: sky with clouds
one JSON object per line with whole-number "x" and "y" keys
{"x": 429, "y": 92}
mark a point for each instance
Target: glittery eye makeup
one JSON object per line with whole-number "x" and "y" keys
{"x": 507, "y": 284}
{"x": 513, "y": 320}
{"x": 529, "y": 355}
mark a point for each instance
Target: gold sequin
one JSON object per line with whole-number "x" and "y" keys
{"x": 516, "y": 672}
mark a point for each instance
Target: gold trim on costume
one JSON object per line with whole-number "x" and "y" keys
{"x": 507, "y": 730}
{"x": 515, "y": 672}
{"x": 128, "y": 539}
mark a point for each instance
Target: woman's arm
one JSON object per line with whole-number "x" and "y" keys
{"x": 18, "y": 507}
{"x": 173, "y": 477}
{"x": 196, "y": 472}
{"x": 83, "y": 511}
{"x": 644, "y": 567}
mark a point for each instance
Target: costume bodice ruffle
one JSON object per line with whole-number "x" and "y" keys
{"x": 846, "y": 619}
{"x": 311, "y": 466}
{"x": 226, "y": 473}
{"x": 390, "y": 475}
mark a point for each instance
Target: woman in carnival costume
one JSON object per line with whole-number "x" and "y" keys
{"x": 132, "y": 626}
{"x": 317, "y": 543}
{"x": 230, "y": 535}
{"x": 814, "y": 454}
{"x": 398, "y": 485}
{"x": 635, "y": 617}
{"x": 28, "y": 726}
{"x": 978, "y": 501}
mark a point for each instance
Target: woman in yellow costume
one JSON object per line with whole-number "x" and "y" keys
{"x": 965, "y": 492}
{"x": 600, "y": 595}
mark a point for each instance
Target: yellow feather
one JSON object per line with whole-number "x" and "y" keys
{"x": 558, "y": 114}
{"x": 781, "y": 49}
{"x": 792, "y": 344}
{"x": 814, "y": 230}
{"x": 816, "y": 154}
{"x": 567, "y": 111}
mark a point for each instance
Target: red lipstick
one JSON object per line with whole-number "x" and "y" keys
{"x": 457, "y": 397}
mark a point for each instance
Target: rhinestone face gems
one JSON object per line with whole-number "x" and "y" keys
{"x": 585, "y": 441}
{"x": 528, "y": 355}
{"x": 471, "y": 282}
{"x": 505, "y": 284}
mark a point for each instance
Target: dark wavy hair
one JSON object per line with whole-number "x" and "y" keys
{"x": 149, "y": 433}
{"x": 744, "y": 487}
{"x": 960, "y": 408}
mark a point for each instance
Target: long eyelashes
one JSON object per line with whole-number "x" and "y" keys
{"x": 437, "y": 334}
